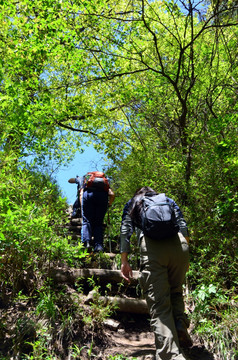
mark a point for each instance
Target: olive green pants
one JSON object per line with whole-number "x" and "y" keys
{"x": 162, "y": 272}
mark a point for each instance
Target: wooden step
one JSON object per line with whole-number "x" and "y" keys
{"x": 70, "y": 276}
{"x": 123, "y": 304}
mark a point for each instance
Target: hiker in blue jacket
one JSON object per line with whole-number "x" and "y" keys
{"x": 163, "y": 265}
{"x": 94, "y": 200}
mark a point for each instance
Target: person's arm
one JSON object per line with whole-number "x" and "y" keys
{"x": 187, "y": 238}
{"x": 126, "y": 269}
{"x": 125, "y": 233}
{"x": 180, "y": 219}
{"x": 111, "y": 196}
{"x": 79, "y": 180}
{"x": 80, "y": 196}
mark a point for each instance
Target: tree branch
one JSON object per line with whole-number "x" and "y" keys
{"x": 74, "y": 129}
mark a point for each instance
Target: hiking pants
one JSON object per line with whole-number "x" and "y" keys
{"x": 162, "y": 271}
{"x": 94, "y": 208}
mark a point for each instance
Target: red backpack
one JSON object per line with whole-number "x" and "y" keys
{"x": 96, "y": 180}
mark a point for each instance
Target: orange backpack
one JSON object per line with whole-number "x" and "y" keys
{"x": 96, "y": 180}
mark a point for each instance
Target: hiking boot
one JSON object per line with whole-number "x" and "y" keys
{"x": 183, "y": 335}
{"x": 98, "y": 248}
{"x": 87, "y": 245}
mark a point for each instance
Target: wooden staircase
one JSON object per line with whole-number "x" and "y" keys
{"x": 128, "y": 329}
{"x": 104, "y": 268}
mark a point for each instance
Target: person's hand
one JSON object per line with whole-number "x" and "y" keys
{"x": 187, "y": 238}
{"x": 126, "y": 271}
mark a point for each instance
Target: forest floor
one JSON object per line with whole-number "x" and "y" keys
{"x": 125, "y": 336}
{"x": 134, "y": 340}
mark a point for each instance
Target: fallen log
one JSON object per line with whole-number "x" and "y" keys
{"x": 70, "y": 276}
{"x": 130, "y": 305}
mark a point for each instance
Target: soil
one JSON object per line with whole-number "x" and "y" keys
{"x": 125, "y": 337}
{"x": 134, "y": 340}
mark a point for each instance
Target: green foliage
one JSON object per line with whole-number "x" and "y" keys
{"x": 154, "y": 86}
{"x": 207, "y": 297}
{"x": 32, "y": 212}
{"x": 60, "y": 317}
{"x": 46, "y": 304}
{"x": 76, "y": 351}
{"x": 215, "y": 318}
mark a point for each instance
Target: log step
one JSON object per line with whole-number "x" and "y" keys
{"x": 70, "y": 276}
{"x": 130, "y": 305}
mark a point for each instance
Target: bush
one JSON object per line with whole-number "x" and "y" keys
{"x": 32, "y": 216}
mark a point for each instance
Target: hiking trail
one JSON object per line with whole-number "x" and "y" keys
{"x": 128, "y": 331}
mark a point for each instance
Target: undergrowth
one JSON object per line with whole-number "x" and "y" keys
{"x": 54, "y": 324}
{"x": 39, "y": 320}
{"x": 215, "y": 320}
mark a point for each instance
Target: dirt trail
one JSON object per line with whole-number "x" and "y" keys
{"x": 133, "y": 339}
{"x": 135, "y": 343}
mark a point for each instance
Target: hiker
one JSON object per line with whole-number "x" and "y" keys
{"x": 77, "y": 204}
{"x": 163, "y": 264}
{"x": 95, "y": 197}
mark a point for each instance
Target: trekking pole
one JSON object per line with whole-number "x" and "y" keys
{"x": 108, "y": 232}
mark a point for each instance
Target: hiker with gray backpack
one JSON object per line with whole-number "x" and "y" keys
{"x": 164, "y": 258}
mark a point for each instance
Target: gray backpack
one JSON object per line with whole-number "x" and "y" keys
{"x": 157, "y": 217}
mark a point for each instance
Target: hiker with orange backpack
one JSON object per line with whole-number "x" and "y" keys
{"x": 95, "y": 197}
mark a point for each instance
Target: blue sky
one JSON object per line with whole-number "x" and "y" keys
{"x": 89, "y": 160}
